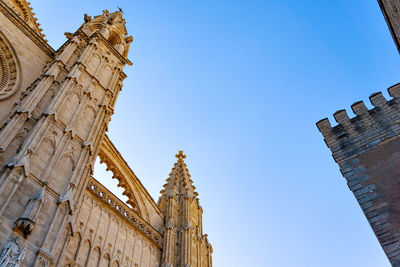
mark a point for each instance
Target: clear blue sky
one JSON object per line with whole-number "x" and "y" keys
{"x": 239, "y": 85}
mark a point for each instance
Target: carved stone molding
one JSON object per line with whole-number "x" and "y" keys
{"x": 127, "y": 178}
{"x": 99, "y": 191}
{"x": 24, "y": 11}
{"x": 121, "y": 181}
{"x": 25, "y": 28}
{"x": 9, "y": 69}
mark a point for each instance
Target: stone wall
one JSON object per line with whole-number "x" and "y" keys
{"x": 55, "y": 107}
{"x": 29, "y": 59}
{"x": 367, "y": 149}
{"x": 104, "y": 234}
{"x": 50, "y": 139}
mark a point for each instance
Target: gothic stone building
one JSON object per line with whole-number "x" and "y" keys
{"x": 55, "y": 106}
{"x": 367, "y": 149}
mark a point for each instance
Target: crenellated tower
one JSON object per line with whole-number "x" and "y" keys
{"x": 184, "y": 242}
{"x": 366, "y": 148}
{"x": 49, "y": 141}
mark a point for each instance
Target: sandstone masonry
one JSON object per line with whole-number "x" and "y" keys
{"x": 55, "y": 106}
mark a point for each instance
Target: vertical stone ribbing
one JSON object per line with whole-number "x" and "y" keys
{"x": 62, "y": 139}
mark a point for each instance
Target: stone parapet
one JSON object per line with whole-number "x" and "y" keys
{"x": 123, "y": 210}
{"x": 367, "y": 149}
{"x": 367, "y": 129}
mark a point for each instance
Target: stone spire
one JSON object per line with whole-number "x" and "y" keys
{"x": 112, "y": 27}
{"x": 184, "y": 242}
{"x": 179, "y": 182}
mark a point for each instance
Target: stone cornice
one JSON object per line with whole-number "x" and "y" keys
{"x": 26, "y": 29}
{"x": 111, "y": 201}
{"x": 106, "y": 43}
{"x": 112, "y": 49}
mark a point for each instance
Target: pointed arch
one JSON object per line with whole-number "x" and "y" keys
{"x": 63, "y": 172}
{"x": 45, "y": 101}
{"x": 106, "y": 75}
{"x": 70, "y": 105}
{"x": 94, "y": 258}
{"x": 114, "y": 38}
{"x": 69, "y": 156}
{"x": 86, "y": 121}
{"x": 105, "y": 261}
{"x": 94, "y": 62}
{"x": 73, "y": 58}
{"x": 83, "y": 253}
{"x": 73, "y": 246}
{"x": 18, "y": 141}
{"x": 43, "y": 154}
{"x": 51, "y": 139}
{"x": 78, "y": 90}
{"x": 96, "y": 26}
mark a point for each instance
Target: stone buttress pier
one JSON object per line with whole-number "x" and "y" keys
{"x": 49, "y": 142}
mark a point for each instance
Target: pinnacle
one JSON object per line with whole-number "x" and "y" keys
{"x": 180, "y": 155}
{"x": 178, "y": 181}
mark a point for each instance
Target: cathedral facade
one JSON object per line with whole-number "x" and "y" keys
{"x": 55, "y": 106}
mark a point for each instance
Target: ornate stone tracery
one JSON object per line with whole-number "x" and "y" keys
{"x": 51, "y": 140}
{"x": 9, "y": 69}
{"x": 111, "y": 26}
{"x": 117, "y": 174}
{"x": 24, "y": 11}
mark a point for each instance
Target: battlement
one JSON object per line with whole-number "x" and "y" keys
{"x": 367, "y": 150}
{"x": 367, "y": 129}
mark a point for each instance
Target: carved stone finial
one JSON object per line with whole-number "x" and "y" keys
{"x": 129, "y": 39}
{"x": 180, "y": 155}
{"x": 87, "y": 18}
{"x": 68, "y": 35}
{"x": 24, "y": 162}
{"x": 68, "y": 197}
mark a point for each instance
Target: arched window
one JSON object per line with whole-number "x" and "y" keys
{"x": 114, "y": 39}
{"x": 105, "y": 261}
{"x": 9, "y": 69}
